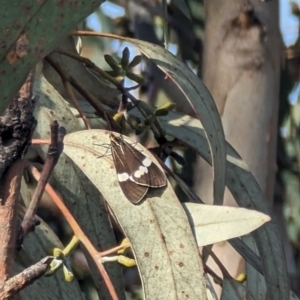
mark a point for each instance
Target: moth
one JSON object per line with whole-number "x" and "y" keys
{"x": 136, "y": 173}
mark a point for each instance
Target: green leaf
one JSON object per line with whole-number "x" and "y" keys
{"x": 136, "y": 61}
{"x": 234, "y": 290}
{"x": 125, "y": 58}
{"x": 255, "y": 282}
{"x": 112, "y": 63}
{"x": 183, "y": 7}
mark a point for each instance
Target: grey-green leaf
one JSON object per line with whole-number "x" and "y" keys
{"x": 158, "y": 229}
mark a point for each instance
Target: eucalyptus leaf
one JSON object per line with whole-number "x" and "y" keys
{"x": 213, "y": 224}
{"x": 158, "y": 229}
{"x": 183, "y": 7}
{"x": 293, "y": 296}
{"x": 255, "y": 282}
{"x": 234, "y": 290}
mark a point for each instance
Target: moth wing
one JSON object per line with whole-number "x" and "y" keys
{"x": 143, "y": 170}
{"x": 132, "y": 191}
{"x": 156, "y": 180}
{"x": 127, "y": 163}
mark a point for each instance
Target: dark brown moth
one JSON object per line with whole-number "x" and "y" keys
{"x": 136, "y": 173}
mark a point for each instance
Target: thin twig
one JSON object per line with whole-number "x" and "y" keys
{"x": 89, "y": 64}
{"x": 217, "y": 279}
{"x": 224, "y": 271}
{"x": 17, "y": 283}
{"x": 54, "y": 151}
{"x": 73, "y": 99}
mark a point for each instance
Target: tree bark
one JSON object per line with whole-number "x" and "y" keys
{"x": 241, "y": 69}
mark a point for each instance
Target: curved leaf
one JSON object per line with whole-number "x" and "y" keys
{"x": 293, "y": 296}
{"x": 183, "y": 7}
{"x": 213, "y": 224}
{"x": 234, "y": 290}
{"x": 158, "y": 229}
{"x": 246, "y": 191}
{"x": 255, "y": 282}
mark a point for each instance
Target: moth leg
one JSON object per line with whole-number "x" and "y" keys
{"x": 107, "y": 147}
{"x": 103, "y": 145}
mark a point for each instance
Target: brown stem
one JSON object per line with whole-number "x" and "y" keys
{"x": 96, "y": 255}
{"x": 54, "y": 151}
{"x": 73, "y": 99}
{"x": 225, "y": 273}
{"x": 217, "y": 279}
{"x": 15, "y": 284}
{"x": 10, "y": 189}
